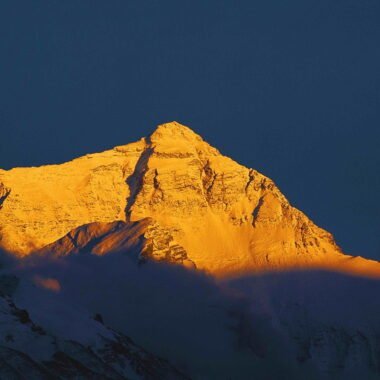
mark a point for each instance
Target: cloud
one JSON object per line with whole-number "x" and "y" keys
{"x": 236, "y": 329}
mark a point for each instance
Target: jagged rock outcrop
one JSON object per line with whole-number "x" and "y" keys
{"x": 214, "y": 213}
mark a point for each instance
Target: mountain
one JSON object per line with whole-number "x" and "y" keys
{"x": 168, "y": 243}
{"x": 172, "y": 191}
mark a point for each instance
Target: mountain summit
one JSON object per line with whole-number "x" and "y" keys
{"x": 172, "y": 197}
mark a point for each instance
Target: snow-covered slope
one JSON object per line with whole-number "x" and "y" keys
{"x": 328, "y": 322}
{"x": 72, "y": 346}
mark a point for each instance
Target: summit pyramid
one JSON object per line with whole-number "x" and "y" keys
{"x": 172, "y": 197}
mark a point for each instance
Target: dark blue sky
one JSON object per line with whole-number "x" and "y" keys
{"x": 290, "y": 88}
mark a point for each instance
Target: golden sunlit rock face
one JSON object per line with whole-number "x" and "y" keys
{"x": 177, "y": 197}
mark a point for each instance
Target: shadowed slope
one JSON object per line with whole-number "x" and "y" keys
{"x": 29, "y": 351}
{"x": 303, "y": 324}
